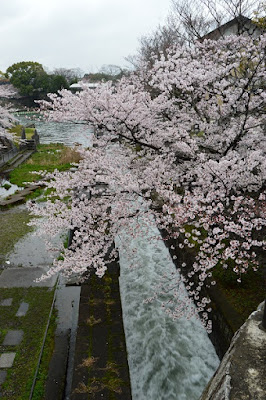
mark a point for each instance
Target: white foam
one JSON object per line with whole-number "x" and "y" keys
{"x": 168, "y": 360}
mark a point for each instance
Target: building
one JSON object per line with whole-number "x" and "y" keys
{"x": 82, "y": 85}
{"x": 237, "y": 26}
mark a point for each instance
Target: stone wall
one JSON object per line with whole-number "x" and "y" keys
{"x": 242, "y": 372}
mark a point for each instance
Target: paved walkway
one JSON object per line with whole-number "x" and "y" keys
{"x": 100, "y": 331}
{"x": 25, "y": 277}
{"x": 12, "y": 339}
{"x": 100, "y": 324}
{"x": 17, "y": 278}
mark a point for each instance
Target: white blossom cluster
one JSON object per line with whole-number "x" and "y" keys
{"x": 187, "y": 137}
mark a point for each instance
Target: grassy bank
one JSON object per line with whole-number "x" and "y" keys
{"x": 19, "y": 380}
{"x": 17, "y": 129}
{"x": 47, "y": 158}
{"x": 40, "y": 385}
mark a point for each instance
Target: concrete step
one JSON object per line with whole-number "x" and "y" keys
{"x": 18, "y": 159}
{"x": 20, "y": 196}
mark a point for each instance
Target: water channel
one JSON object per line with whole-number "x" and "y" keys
{"x": 58, "y": 132}
{"x": 168, "y": 360}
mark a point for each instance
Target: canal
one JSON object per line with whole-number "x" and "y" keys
{"x": 168, "y": 360}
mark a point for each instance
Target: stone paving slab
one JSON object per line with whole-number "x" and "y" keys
{"x": 6, "y": 302}
{"x": 23, "y": 309}
{"x": 7, "y": 359}
{"x": 13, "y": 338}
{"x": 25, "y": 277}
{"x": 3, "y": 375}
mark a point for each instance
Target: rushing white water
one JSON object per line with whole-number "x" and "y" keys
{"x": 168, "y": 360}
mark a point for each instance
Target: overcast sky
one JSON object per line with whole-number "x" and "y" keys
{"x": 75, "y": 33}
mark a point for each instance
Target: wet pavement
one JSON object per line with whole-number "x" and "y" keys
{"x": 31, "y": 251}
{"x": 28, "y": 261}
{"x": 59, "y": 382}
{"x": 24, "y": 278}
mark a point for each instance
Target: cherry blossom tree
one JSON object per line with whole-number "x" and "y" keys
{"x": 182, "y": 142}
{"x": 8, "y": 91}
{"x": 190, "y": 21}
{"x": 6, "y": 122}
{"x": 6, "y": 118}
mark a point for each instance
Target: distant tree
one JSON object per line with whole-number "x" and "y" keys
{"x": 113, "y": 71}
{"x": 57, "y": 82}
{"x": 72, "y": 75}
{"x": 95, "y": 77}
{"x": 31, "y": 79}
{"x": 188, "y": 22}
{"x": 108, "y": 72}
{"x": 2, "y": 75}
{"x": 28, "y": 77}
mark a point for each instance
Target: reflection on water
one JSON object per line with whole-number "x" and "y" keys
{"x": 7, "y": 188}
{"x": 59, "y": 132}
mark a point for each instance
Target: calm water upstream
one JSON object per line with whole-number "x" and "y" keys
{"x": 168, "y": 360}
{"x": 59, "y": 132}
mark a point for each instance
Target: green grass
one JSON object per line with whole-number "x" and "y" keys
{"x": 39, "y": 389}
{"x": 47, "y": 158}
{"x": 17, "y": 129}
{"x": 6, "y": 186}
{"x": 19, "y": 380}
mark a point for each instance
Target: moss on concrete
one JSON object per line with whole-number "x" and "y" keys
{"x": 101, "y": 369}
{"x": 244, "y": 297}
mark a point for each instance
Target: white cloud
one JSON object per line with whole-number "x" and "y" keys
{"x": 80, "y": 33}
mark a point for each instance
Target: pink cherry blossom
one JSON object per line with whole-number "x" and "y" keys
{"x": 182, "y": 142}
